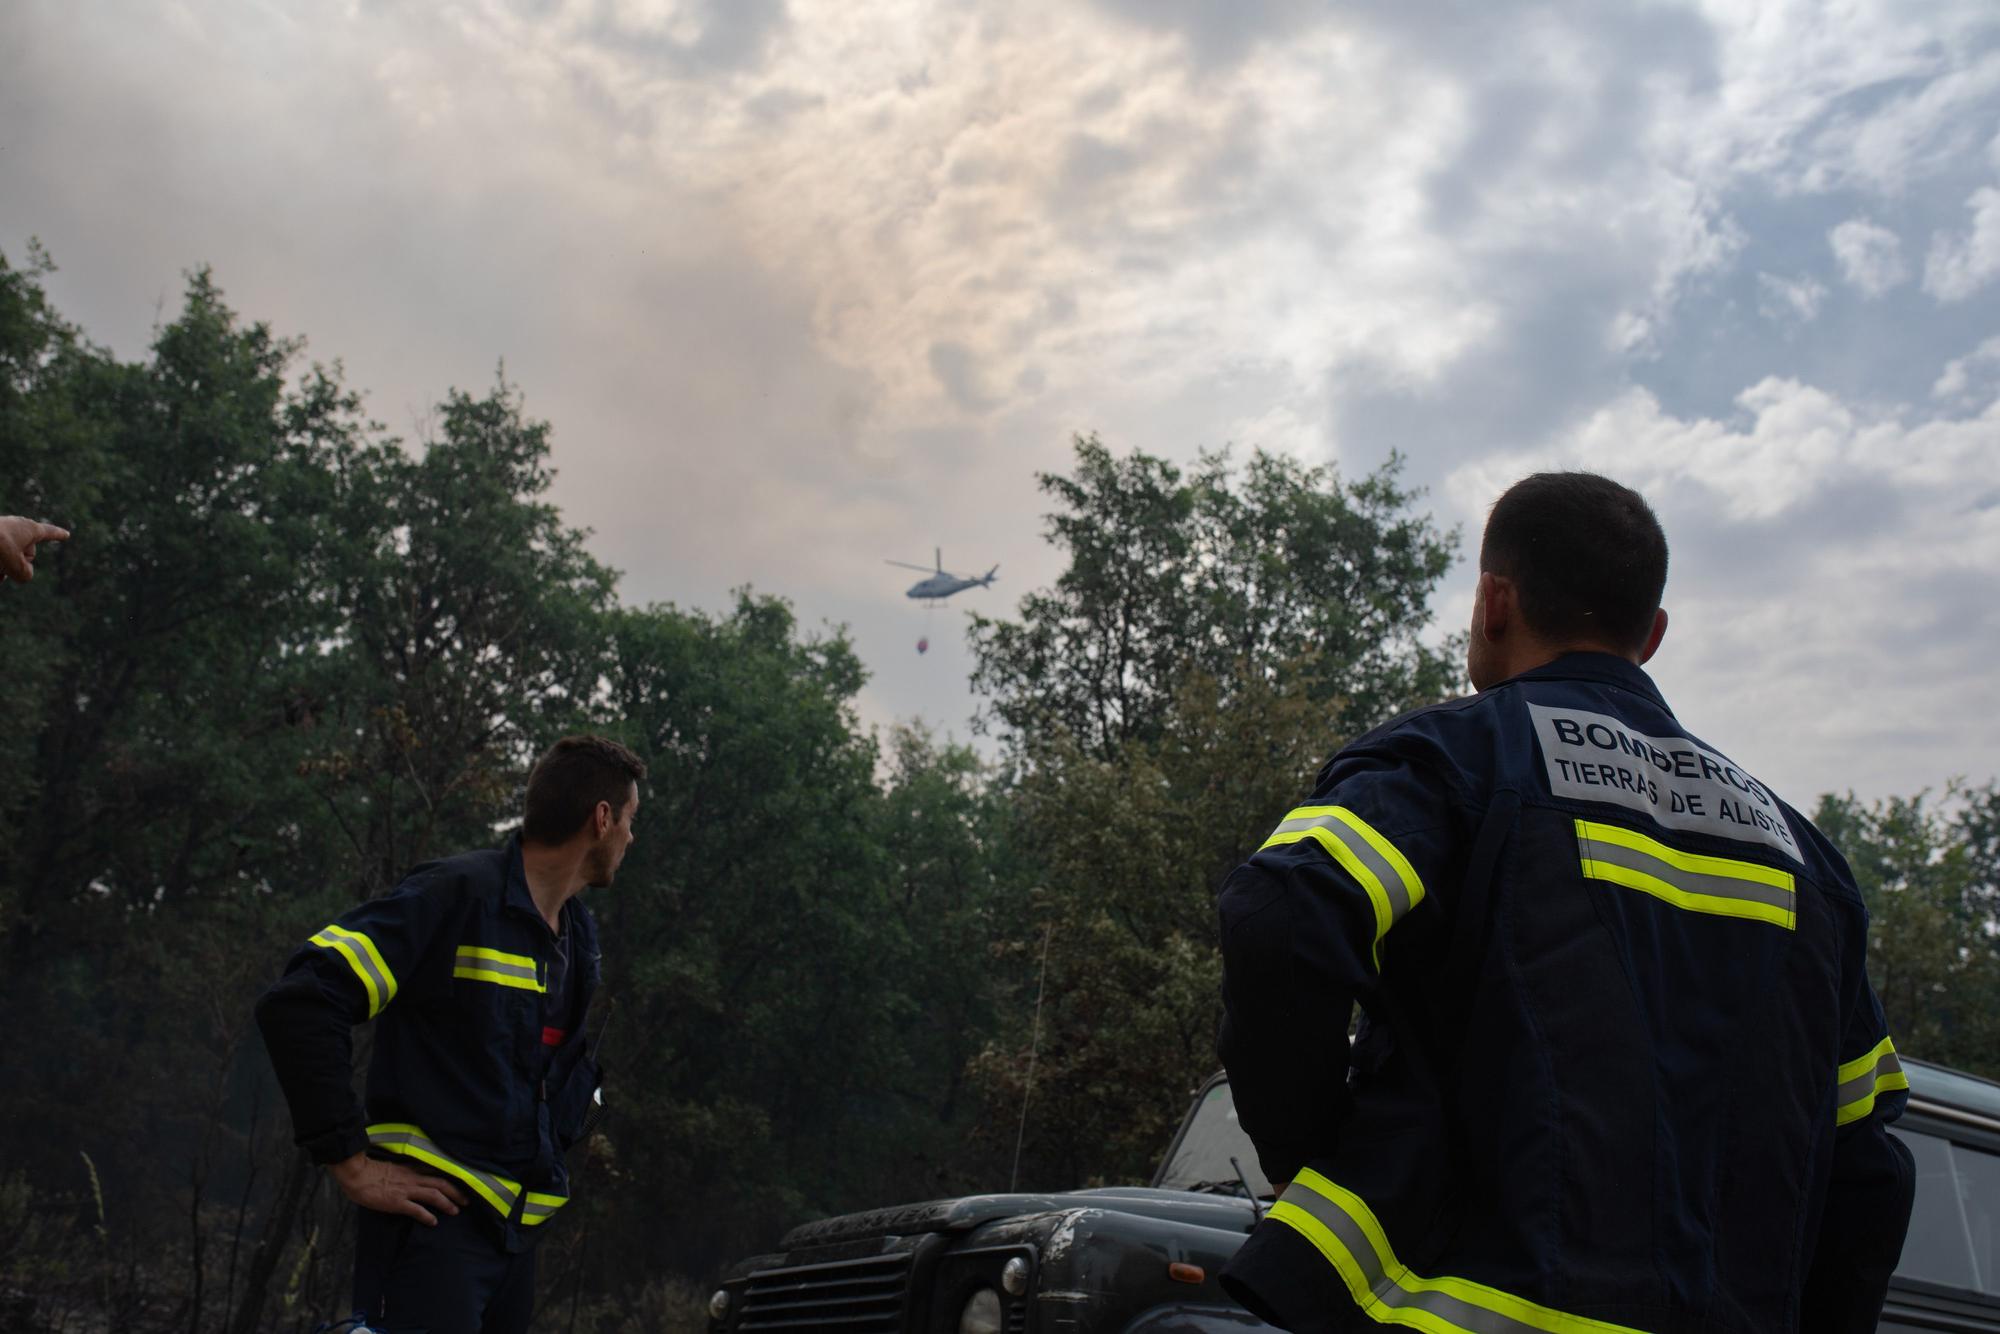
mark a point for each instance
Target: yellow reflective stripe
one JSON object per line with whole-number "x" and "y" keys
{"x": 364, "y": 959}
{"x": 445, "y": 1164}
{"x": 541, "y": 1208}
{"x": 501, "y": 979}
{"x": 1385, "y": 875}
{"x": 1693, "y": 862}
{"x": 482, "y": 964}
{"x": 408, "y": 1141}
{"x": 1852, "y": 1069}
{"x": 1346, "y": 1232}
{"x": 1720, "y": 886}
{"x": 1860, "y": 1081}
{"x": 497, "y": 956}
{"x": 347, "y": 952}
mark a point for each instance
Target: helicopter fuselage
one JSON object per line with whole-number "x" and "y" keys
{"x": 941, "y": 586}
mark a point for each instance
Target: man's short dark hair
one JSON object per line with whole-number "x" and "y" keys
{"x": 1586, "y": 555}
{"x": 570, "y": 779}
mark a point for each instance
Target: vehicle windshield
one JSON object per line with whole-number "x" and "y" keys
{"x": 1201, "y": 1159}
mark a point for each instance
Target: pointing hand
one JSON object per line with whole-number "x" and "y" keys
{"x": 18, "y": 537}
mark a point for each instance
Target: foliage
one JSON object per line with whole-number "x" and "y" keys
{"x": 286, "y": 656}
{"x": 1285, "y": 571}
{"x": 788, "y": 1026}
{"x": 1927, "y": 873}
{"x": 1214, "y": 637}
{"x": 1131, "y": 850}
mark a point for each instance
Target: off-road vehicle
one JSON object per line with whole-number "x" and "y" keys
{"x": 1144, "y": 1259}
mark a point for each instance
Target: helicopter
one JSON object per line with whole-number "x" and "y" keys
{"x": 942, "y": 583}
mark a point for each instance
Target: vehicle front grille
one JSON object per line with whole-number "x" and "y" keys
{"x": 1017, "y": 1317}
{"x": 865, "y": 1296}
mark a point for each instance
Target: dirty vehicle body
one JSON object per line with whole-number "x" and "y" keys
{"x": 1140, "y": 1258}
{"x": 1144, "y": 1259}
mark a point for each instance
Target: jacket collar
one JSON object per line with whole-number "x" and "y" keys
{"x": 1602, "y": 668}
{"x": 515, "y": 892}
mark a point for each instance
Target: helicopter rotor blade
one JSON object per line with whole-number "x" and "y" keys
{"x": 907, "y": 566}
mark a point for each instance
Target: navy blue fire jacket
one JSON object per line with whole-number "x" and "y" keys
{"x": 469, "y": 1077}
{"x": 1620, "y": 1067}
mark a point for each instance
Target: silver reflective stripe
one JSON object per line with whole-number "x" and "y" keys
{"x": 1394, "y": 1295}
{"x": 1864, "y": 1084}
{"x": 535, "y": 1210}
{"x": 392, "y": 1139}
{"x": 1385, "y": 873}
{"x": 526, "y": 972}
{"x": 1694, "y": 882}
{"x": 1458, "y": 1314}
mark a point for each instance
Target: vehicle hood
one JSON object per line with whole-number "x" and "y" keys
{"x": 969, "y": 1211}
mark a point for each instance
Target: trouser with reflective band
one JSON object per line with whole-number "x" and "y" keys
{"x": 1357, "y": 1255}
{"x": 502, "y": 1193}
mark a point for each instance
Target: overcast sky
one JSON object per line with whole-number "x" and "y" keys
{"x": 807, "y": 284}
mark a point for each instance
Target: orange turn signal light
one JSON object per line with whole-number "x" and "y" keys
{"x": 1181, "y": 1273}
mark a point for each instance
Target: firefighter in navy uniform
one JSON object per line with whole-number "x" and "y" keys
{"x": 480, "y": 968}
{"x": 1619, "y": 1067}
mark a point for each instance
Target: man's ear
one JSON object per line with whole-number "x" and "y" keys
{"x": 602, "y": 817}
{"x": 1497, "y": 609}
{"x": 1653, "y": 639}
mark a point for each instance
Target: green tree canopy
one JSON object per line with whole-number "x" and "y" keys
{"x": 1232, "y": 578}
{"x": 1926, "y": 872}
{"x": 1215, "y": 635}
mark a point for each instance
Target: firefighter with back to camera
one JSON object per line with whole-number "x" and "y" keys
{"x": 1619, "y": 1066}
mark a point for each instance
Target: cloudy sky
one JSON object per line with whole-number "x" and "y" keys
{"x": 807, "y": 284}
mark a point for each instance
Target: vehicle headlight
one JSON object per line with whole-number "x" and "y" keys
{"x": 1014, "y": 1277}
{"x": 981, "y": 1314}
{"x": 718, "y": 1305}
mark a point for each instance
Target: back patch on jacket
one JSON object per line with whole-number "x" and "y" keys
{"x": 1595, "y": 757}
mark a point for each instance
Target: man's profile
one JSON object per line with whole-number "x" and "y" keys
{"x": 479, "y": 970}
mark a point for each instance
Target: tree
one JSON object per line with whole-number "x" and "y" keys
{"x": 797, "y": 983}
{"x": 1213, "y": 638}
{"x": 471, "y": 632}
{"x": 282, "y": 661}
{"x": 1130, "y": 851}
{"x": 1283, "y": 570}
{"x": 1927, "y": 878}
{"x": 158, "y": 810}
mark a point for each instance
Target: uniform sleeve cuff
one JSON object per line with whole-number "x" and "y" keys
{"x": 1279, "y": 1165}
{"x": 336, "y": 1145}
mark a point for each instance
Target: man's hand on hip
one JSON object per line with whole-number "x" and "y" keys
{"x": 392, "y": 1188}
{"x": 18, "y": 537}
